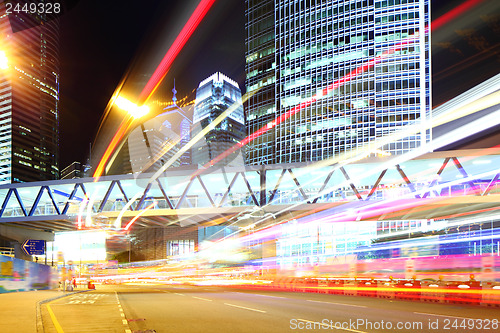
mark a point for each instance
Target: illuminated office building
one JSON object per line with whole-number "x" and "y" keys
{"x": 156, "y": 142}
{"x": 214, "y": 96}
{"x": 29, "y": 97}
{"x": 295, "y": 49}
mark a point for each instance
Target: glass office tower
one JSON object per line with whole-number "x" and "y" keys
{"x": 214, "y": 96}
{"x": 316, "y": 44}
{"x": 260, "y": 81}
{"x": 29, "y": 97}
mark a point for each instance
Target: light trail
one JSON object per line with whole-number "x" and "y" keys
{"x": 164, "y": 66}
{"x": 436, "y": 24}
{"x": 155, "y": 80}
{"x": 124, "y": 128}
{"x": 166, "y": 63}
{"x": 127, "y": 227}
{"x": 454, "y": 13}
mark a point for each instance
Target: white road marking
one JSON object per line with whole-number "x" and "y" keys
{"x": 358, "y": 306}
{"x": 243, "y": 307}
{"x": 265, "y": 295}
{"x": 179, "y": 294}
{"x": 330, "y": 326}
{"x": 437, "y": 315}
{"x": 203, "y": 299}
{"x": 124, "y": 321}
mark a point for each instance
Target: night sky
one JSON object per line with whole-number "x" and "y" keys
{"x": 103, "y": 40}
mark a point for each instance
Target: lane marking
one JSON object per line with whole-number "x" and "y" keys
{"x": 203, "y": 299}
{"x": 179, "y": 294}
{"x": 331, "y": 326}
{"x": 437, "y": 315}
{"x": 358, "y": 306}
{"x": 237, "y": 292}
{"x": 163, "y": 291}
{"x": 122, "y": 314}
{"x": 54, "y": 319}
{"x": 243, "y": 307}
{"x": 270, "y": 296}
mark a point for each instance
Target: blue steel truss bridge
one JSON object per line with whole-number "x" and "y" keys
{"x": 442, "y": 185}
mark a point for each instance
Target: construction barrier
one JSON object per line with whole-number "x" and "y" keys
{"x": 464, "y": 292}
{"x": 367, "y": 288}
{"x": 491, "y": 294}
{"x": 432, "y": 292}
{"x": 386, "y": 290}
{"x": 408, "y": 290}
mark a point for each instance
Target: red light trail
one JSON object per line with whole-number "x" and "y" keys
{"x": 436, "y": 24}
{"x": 186, "y": 32}
{"x": 155, "y": 80}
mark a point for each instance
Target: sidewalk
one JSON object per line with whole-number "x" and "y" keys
{"x": 18, "y": 310}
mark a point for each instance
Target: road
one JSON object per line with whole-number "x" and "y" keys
{"x": 167, "y": 308}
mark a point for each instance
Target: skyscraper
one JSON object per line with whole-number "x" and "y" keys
{"x": 294, "y": 50}
{"x": 29, "y": 97}
{"x": 154, "y": 142}
{"x": 214, "y": 96}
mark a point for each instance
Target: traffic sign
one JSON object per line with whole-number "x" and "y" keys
{"x": 34, "y": 247}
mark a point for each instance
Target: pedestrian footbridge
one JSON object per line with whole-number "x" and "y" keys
{"x": 433, "y": 186}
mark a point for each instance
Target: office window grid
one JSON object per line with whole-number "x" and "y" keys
{"x": 318, "y": 42}
{"x": 260, "y": 80}
{"x": 317, "y": 45}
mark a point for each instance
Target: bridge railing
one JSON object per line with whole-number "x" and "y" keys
{"x": 272, "y": 185}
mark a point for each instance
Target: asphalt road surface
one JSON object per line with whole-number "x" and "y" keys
{"x": 167, "y": 308}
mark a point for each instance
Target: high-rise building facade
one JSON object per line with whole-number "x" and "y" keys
{"x": 29, "y": 97}
{"x": 75, "y": 170}
{"x": 260, "y": 68}
{"x": 214, "y": 96}
{"x": 296, "y": 49}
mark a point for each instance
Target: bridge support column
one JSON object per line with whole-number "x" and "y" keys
{"x": 263, "y": 191}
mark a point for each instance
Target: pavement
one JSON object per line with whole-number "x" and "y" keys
{"x": 18, "y": 310}
{"x": 179, "y": 309}
{"x": 204, "y": 309}
{"x": 97, "y": 311}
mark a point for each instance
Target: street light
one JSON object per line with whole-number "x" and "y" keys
{"x": 136, "y": 112}
{"x": 133, "y": 109}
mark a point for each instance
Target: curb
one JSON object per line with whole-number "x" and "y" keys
{"x": 39, "y": 319}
